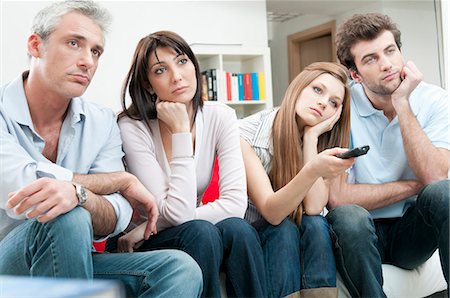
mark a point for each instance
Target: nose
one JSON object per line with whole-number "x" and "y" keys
{"x": 322, "y": 102}
{"x": 176, "y": 76}
{"x": 385, "y": 63}
{"x": 86, "y": 61}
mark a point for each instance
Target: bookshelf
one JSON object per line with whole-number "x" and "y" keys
{"x": 238, "y": 60}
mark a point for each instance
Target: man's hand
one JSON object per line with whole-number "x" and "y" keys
{"x": 136, "y": 193}
{"x": 44, "y": 198}
{"x": 411, "y": 77}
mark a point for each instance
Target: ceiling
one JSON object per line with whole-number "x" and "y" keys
{"x": 280, "y": 10}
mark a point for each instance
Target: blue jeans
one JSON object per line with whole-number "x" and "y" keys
{"x": 231, "y": 245}
{"x": 316, "y": 253}
{"x": 63, "y": 248}
{"x": 363, "y": 244}
{"x": 281, "y": 248}
{"x": 297, "y": 258}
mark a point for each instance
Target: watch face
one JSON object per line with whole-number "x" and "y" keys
{"x": 83, "y": 194}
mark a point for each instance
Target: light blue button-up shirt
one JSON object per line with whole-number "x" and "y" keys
{"x": 89, "y": 143}
{"x": 386, "y": 160}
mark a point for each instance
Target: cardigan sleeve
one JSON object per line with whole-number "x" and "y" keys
{"x": 175, "y": 193}
{"x": 232, "y": 181}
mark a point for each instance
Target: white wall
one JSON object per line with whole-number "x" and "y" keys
{"x": 216, "y": 22}
{"x": 415, "y": 19}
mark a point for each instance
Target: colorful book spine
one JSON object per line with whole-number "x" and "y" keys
{"x": 240, "y": 77}
{"x": 262, "y": 86}
{"x": 255, "y": 86}
{"x": 247, "y": 86}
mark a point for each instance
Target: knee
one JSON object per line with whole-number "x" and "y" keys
{"x": 315, "y": 230}
{"x": 235, "y": 228}
{"x": 351, "y": 220}
{"x": 75, "y": 226}
{"x": 437, "y": 195}
{"x": 202, "y": 231}
{"x": 285, "y": 233}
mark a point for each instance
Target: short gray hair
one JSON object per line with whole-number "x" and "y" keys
{"x": 47, "y": 19}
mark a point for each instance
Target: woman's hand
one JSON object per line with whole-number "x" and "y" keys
{"x": 174, "y": 115}
{"x": 132, "y": 240}
{"x": 323, "y": 126}
{"x": 327, "y": 165}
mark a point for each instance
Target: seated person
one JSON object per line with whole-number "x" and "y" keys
{"x": 289, "y": 163}
{"x": 393, "y": 207}
{"x": 170, "y": 139}
{"x": 61, "y": 167}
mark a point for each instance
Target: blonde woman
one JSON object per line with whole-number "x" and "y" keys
{"x": 289, "y": 156}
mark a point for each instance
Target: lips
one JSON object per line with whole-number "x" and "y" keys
{"x": 80, "y": 78}
{"x": 390, "y": 76}
{"x": 317, "y": 111}
{"x": 179, "y": 90}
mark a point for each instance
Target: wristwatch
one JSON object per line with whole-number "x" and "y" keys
{"x": 81, "y": 192}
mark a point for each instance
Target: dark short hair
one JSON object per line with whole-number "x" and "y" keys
{"x": 143, "y": 101}
{"x": 362, "y": 27}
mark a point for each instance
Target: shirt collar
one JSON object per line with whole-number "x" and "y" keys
{"x": 364, "y": 107}
{"x": 15, "y": 103}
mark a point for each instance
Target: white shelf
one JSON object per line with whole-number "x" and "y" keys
{"x": 239, "y": 59}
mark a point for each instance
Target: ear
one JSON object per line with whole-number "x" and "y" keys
{"x": 33, "y": 45}
{"x": 355, "y": 76}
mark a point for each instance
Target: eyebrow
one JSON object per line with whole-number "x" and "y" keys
{"x": 372, "y": 54}
{"x": 162, "y": 62}
{"x": 82, "y": 38}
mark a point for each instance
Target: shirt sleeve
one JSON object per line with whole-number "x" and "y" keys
{"x": 232, "y": 201}
{"x": 437, "y": 126}
{"x": 19, "y": 168}
{"x": 109, "y": 159}
{"x": 175, "y": 193}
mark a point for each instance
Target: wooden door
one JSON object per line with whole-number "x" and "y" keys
{"x": 312, "y": 45}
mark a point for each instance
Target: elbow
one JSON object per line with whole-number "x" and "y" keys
{"x": 434, "y": 177}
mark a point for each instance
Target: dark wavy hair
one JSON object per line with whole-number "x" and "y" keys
{"x": 362, "y": 27}
{"x": 143, "y": 102}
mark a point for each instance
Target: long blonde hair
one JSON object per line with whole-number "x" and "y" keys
{"x": 287, "y": 145}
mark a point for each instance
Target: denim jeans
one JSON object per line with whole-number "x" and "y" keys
{"x": 281, "y": 248}
{"x": 231, "y": 245}
{"x": 316, "y": 253}
{"x": 63, "y": 248}
{"x": 363, "y": 244}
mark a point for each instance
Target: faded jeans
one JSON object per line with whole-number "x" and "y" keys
{"x": 63, "y": 248}
{"x": 363, "y": 244}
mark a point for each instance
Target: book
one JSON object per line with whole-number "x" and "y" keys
{"x": 262, "y": 86}
{"x": 247, "y": 86}
{"x": 255, "y": 86}
{"x": 240, "y": 77}
{"x": 228, "y": 84}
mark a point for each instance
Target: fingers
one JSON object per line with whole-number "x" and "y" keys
{"x": 16, "y": 197}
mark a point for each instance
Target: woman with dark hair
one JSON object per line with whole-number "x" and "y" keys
{"x": 170, "y": 139}
{"x": 288, "y": 177}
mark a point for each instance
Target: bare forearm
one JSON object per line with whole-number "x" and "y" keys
{"x": 103, "y": 216}
{"x": 104, "y": 183}
{"x": 281, "y": 203}
{"x": 371, "y": 196}
{"x": 317, "y": 196}
{"x": 426, "y": 161}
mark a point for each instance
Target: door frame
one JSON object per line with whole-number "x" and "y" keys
{"x": 294, "y": 41}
